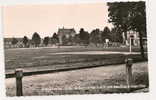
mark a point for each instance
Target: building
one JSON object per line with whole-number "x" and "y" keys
{"x": 8, "y": 43}
{"x": 67, "y": 33}
{"x": 134, "y": 37}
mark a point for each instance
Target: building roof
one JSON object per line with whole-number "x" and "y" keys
{"x": 66, "y": 31}
{"x": 10, "y": 39}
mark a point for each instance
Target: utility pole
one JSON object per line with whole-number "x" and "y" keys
{"x": 130, "y": 43}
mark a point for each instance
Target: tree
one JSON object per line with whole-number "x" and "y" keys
{"x": 36, "y": 39}
{"x": 129, "y": 16}
{"x": 81, "y": 34}
{"x": 95, "y": 37}
{"x": 25, "y": 40}
{"x": 105, "y": 34}
{"x": 14, "y": 41}
{"x": 55, "y": 38}
{"x": 77, "y": 39}
{"x": 119, "y": 16}
{"x": 138, "y": 22}
{"x": 84, "y": 36}
{"x": 116, "y": 35}
{"x": 46, "y": 41}
{"x": 87, "y": 36}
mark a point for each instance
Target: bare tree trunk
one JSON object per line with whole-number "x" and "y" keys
{"x": 141, "y": 45}
{"x": 96, "y": 44}
{"x": 102, "y": 44}
{"x": 125, "y": 37}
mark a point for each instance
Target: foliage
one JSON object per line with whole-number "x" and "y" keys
{"x": 77, "y": 38}
{"x": 81, "y": 34}
{"x": 119, "y": 15}
{"x": 84, "y": 36}
{"x": 116, "y": 35}
{"x": 25, "y": 41}
{"x": 129, "y": 16}
{"x": 46, "y": 40}
{"x": 14, "y": 41}
{"x": 95, "y": 36}
{"x": 36, "y": 39}
{"x": 105, "y": 34}
{"x": 138, "y": 17}
{"x": 55, "y": 38}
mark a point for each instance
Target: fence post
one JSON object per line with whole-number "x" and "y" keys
{"x": 129, "y": 79}
{"x": 19, "y": 75}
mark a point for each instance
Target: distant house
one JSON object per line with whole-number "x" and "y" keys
{"x": 134, "y": 36}
{"x": 67, "y": 33}
{"x": 19, "y": 44}
{"x": 8, "y": 43}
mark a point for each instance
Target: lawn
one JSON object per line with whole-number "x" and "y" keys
{"x": 43, "y": 58}
{"x": 39, "y": 59}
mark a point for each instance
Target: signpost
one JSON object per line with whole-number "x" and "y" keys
{"x": 130, "y": 43}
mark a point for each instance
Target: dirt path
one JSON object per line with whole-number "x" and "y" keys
{"x": 95, "y": 77}
{"x": 98, "y": 52}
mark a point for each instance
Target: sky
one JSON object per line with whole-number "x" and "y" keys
{"x": 24, "y": 20}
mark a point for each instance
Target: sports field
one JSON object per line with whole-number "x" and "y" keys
{"x": 83, "y": 80}
{"x": 64, "y": 57}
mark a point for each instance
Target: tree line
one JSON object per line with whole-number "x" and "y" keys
{"x": 83, "y": 37}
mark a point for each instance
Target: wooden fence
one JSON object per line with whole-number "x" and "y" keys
{"x": 19, "y": 75}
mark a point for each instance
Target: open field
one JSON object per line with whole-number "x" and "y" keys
{"x": 86, "y": 81}
{"x": 55, "y": 58}
{"x": 82, "y": 81}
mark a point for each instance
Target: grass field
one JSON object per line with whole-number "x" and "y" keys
{"x": 47, "y": 58}
{"x": 34, "y": 59}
